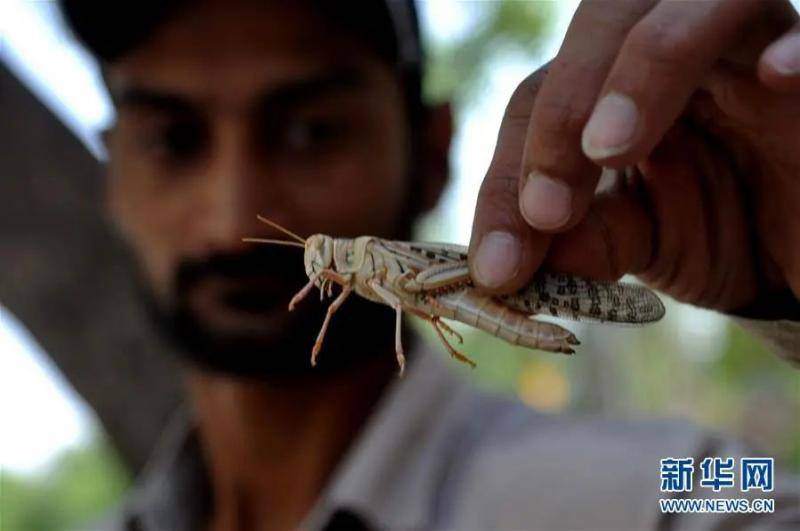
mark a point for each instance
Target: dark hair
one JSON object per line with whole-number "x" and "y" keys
{"x": 390, "y": 27}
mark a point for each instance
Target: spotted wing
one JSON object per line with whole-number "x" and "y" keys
{"x": 563, "y": 296}
{"x": 422, "y": 255}
{"x": 582, "y": 299}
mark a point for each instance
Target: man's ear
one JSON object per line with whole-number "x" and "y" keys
{"x": 437, "y": 133}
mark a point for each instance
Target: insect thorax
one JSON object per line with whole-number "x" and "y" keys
{"x": 349, "y": 254}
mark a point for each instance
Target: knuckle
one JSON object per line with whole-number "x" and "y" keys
{"x": 559, "y": 119}
{"x": 523, "y": 96}
{"x": 498, "y": 204}
{"x": 665, "y": 46}
{"x": 498, "y": 191}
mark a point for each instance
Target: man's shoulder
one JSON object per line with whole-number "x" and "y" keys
{"x": 503, "y": 429}
{"x": 519, "y": 466}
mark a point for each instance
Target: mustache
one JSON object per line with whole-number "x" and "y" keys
{"x": 273, "y": 261}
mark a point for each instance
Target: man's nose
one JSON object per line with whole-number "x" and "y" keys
{"x": 240, "y": 187}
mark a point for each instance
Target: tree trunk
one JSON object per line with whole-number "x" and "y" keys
{"x": 66, "y": 276}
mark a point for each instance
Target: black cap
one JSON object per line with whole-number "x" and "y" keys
{"x": 112, "y": 29}
{"x": 391, "y": 27}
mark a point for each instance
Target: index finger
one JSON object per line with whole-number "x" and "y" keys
{"x": 504, "y": 252}
{"x": 540, "y": 137}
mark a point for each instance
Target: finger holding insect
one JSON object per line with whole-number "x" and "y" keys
{"x": 504, "y": 252}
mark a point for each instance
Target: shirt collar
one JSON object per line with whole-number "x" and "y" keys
{"x": 389, "y": 477}
{"x": 174, "y": 491}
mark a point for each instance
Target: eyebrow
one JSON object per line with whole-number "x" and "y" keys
{"x": 152, "y": 99}
{"x": 287, "y": 94}
{"x": 313, "y": 88}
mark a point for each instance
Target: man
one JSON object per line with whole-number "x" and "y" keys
{"x": 309, "y": 113}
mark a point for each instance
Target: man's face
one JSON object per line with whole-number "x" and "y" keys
{"x": 232, "y": 109}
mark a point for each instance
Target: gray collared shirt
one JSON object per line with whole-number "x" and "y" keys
{"x": 438, "y": 454}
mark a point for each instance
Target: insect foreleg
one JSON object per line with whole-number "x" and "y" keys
{"x": 325, "y": 274}
{"x": 392, "y": 300}
{"x": 303, "y": 293}
{"x": 326, "y": 288}
{"x": 331, "y": 309}
{"x": 330, "y": 274}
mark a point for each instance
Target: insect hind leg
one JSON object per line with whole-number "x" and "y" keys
{"x": 438, "y": 326}
{"x": 444, "y": 326}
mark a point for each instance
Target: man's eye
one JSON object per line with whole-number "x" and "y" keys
{"x": 178, "y": 141}
{"x": 312, "y": 134}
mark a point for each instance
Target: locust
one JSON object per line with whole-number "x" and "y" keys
{"x": 432, "y": 281}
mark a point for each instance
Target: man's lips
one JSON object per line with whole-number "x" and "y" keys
{"x": 254, "y": 306}
{"x": 254, "y": 300}
{"x": 256, "y": 295}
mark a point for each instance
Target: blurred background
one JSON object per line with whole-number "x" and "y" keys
{"x": 57, "y": 467}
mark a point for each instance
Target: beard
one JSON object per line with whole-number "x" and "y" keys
{"x": 359, "y": 331}
{"x": 261, "y": 338}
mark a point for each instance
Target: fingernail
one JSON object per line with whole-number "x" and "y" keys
{"x": 784, "y": 56}
{"x": 611, "y": 128}
{"x": 545, "y": 203}
{"x": 497, "y": 259}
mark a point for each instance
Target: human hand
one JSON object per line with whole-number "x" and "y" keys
{"x": 697, "y": 104}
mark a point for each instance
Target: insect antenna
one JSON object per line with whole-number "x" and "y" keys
{"x": 280, "y": 228}
{"x": 276, "y": 242}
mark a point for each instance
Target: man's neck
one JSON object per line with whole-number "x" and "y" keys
{"x": 271, "y": 446}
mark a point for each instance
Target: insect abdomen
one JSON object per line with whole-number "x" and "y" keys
{"x": 487, "y": 314}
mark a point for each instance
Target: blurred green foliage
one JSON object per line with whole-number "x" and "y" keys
{"x": 79, "y": 486}
{"x": 456, "y": 68}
